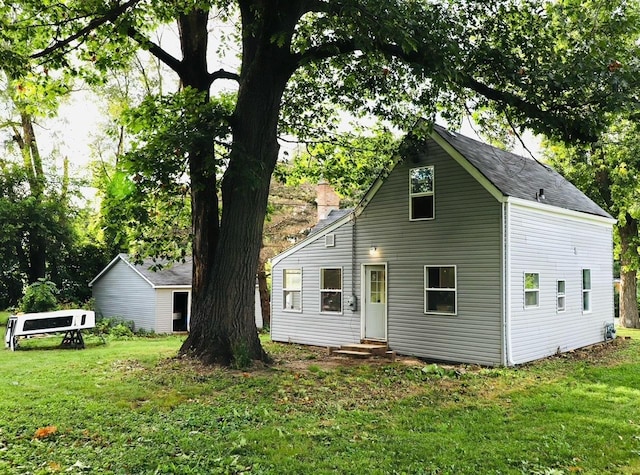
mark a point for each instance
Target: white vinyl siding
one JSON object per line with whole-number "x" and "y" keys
{"x": 121, "y": 292}
{"x": 292, "y": 292}
{"x": 558, "y": 248}
{"x": 310, "y": 326}
{"x": 465, "y": 234}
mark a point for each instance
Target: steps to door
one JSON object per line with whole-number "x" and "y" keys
{"x": 363, "y": 350}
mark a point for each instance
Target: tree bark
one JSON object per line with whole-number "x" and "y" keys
{"x": 628, "y": 279}
{"x": 35, "y": 241}
{"x": 223, "y": 326}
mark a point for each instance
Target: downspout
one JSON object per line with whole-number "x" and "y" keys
{"x": 354, "y": 299}
{"x": 507, "y": 357}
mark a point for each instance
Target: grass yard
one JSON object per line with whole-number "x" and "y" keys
{"x": 128, "y": 407}
{"x": 4, "y": 316}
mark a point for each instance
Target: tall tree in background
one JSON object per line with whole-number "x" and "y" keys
{"x": 299, "y": 58}
{"x": 608, "y": 171}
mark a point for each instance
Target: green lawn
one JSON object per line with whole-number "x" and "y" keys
{"x": 128, "y": 407}
{"x": 4, "y": 316}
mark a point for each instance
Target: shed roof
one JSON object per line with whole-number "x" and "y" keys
{"x": 177, "y": 275}
{"x": 520, "y": 177}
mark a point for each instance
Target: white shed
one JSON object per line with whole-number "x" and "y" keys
{"x": 153, "y": 300}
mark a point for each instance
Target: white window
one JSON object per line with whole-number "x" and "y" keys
{"x": 421, "y": 193}
{"x": 586, "y": 290}
{"x": 561, "y": 298}
{"x": 440, "y": 294}
{"x": 292, "y": 279}
{"x": 531, "y": 289}
{"x": 331, "y": 290}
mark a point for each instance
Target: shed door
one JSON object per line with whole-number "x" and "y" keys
{"x": 375, "y": 302}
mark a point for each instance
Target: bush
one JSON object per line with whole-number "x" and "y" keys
{"x": 117, "y": 327}
{"x": 39, "y": 297}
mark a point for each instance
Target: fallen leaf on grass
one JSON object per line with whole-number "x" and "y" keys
{"x": 79, "y": 466}
{"x": 44, "y": 432}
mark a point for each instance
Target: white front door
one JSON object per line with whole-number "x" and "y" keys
{"x": 375, "y": 302}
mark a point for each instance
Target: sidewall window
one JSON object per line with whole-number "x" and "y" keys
{"x": 292, "y": 289}
{"x": 586, "y": 290}
{"x": 331, "y": 290}
{"x": 561, "y": 296}
{"x": 421, "y": 193}
{"x": 440, "y": 290}
{"x": 531, "y": 289}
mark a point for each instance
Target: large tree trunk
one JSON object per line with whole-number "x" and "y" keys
{"x": 223, "y": 326}
{"x": 628, "y": 279}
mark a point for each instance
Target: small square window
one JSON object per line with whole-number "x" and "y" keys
{"x": 440, "y": 293}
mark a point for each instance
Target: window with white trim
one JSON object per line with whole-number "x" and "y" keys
{"x": 292, "y": 289}
{"x": 531, "y": 289}
{"x": 561, "y": 296}
{"x": 331, "y": 290}
{"x": 586, "y": 290}
{"x": 421, "y": 193}
{"x": 440, "y": 292}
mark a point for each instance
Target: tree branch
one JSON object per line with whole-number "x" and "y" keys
{"x": 156, "y": 50}
{"x": 324, "y": 51}
{"x": 222, "y": 74}
{"x": 92, "y": 25}
{"x": 551, "y": 120}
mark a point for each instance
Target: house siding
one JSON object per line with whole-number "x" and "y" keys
{"x": 467, "y": 233}
{"x": 121, "y": 292}
{"x": 558, "y": 248}
{"x": 310, "y": 326}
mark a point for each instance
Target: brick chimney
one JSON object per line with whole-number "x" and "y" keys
{"x": 326, "y": 199}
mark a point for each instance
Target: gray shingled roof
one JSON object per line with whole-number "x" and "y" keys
{"x": 334, "y": 215}
{"x": 178, "y": 274}
{"x": 519, "y": 176}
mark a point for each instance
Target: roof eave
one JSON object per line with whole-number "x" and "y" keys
{"x": 564, "y": 212}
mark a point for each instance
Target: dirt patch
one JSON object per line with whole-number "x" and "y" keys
{"x": 300, "y": 358}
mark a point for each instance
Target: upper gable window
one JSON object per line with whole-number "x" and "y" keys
{"x": 421, "y": 199}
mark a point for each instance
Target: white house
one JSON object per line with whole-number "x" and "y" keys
{"x": 153, "y": 300}
{"x": 463, "y": 253}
